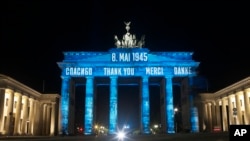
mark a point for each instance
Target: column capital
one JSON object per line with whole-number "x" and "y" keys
{"x": 31, "y": 99}
{"x": 65, "y": 77}
{"x": 17, "y": 94}
{"x": 10, "y": 91}
{"x": 225, "y": 98}
{"x": 145, "y": 78}
{"x": 168, "y": 76}
{"x": 231, "y": 95}
{"x": 247, "y": 90}
{"x": 239, "y": 92}
{"x": 113, "y": 77}
{"x": 89, "y": 77}
{"x": 25, "y": 96}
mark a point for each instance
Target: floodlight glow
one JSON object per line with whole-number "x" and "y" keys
{"x": 121, "y": 135}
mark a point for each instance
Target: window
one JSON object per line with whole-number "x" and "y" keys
{"x": 6, "y": 102}
{"x": 20, "y": 124}
{"x": 15, "y": 103}
{"x": 22, "y": 106}
{"x": 28, "y": 111}
{"x": 4, "y": 123}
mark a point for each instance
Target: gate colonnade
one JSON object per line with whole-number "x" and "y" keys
{"x": 25, "y": 111}
{"x": 120, "y": 62}
{"x": 225, "y": 107}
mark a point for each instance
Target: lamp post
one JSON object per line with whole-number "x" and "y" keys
{"x": 175, "y": 118}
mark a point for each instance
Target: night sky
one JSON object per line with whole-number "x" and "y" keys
{"x": 35, "y": 33}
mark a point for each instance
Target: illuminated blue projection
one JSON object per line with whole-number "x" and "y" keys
{"x": 145, "y": 113}
{"x": 113, "y": 106}
{"x": 169, "y": 105}
{"x": 194, "y": 120}
{"x": 89, "y": 100}
{"x": 119, "y": 63}
{"x": 193, "y": 110}
{"x": 65, "y": 105}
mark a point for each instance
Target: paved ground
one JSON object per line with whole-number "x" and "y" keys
{"x": 171, "y": 137}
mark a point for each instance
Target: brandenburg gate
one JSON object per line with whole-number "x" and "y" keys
{"x": 128, "y": 59}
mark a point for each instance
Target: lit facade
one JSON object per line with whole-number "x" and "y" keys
{"x": 128, "y": 60}
{"x": 24, "y": 111}
{"x": 228, "y": 106}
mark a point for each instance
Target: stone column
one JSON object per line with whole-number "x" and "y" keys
{"x": 113, "y": 105}
{"x": 224, "y": 114}
{"x": 145, "y": 107}
{"x": 209, "y": 116}
{"x": 239, "y": 103}
{"x": 24, "y": 114}
{"x": 37, "y": 118}
{"x": 169, "y": 105}
{"x": 163, "y": 105}
{"x": 48, "y": 119}
{"x": 31, "y": 116}
{"x": 194, "y": 121}
{"x": 44, "y": 119}
{"x": 2, "y": 99}
{"x": 18, "y": 113}
{"x": 89, "y": 106}
{"x": 204, "y": 114}
{"x": 213, "y": 114}
{"x": 59, "y": 127}
{"x": 231, "y": 106}
{"x": 9, "y": 119}
{"x": 52, "y": 119}
{"x": 247, "y": 105}
{"x": 65, "y": 105}
{"x": 218, "y": 115}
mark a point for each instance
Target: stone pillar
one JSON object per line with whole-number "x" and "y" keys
{"x": 239, "y": 103}
{"x": 224, "y": 114}
{"x": 2, "y": 99}
{"x": 145, "y": 107}
{"x": 206, "y": 117}
{"x": 18, "y": 101}
{"x": 59, "y": 127}
{"x": 44, "y": 115}
{"x": 209, "y": 125}
{"x": 48, "y": 119}
{"x": 169, "y": 105}
{"x": 218, "y": 115}
{"x": 213, "y": 114}
{"x": 231, "y": 105}
{"x": 31, "y": 116}
{"x": 65, "y": 105}
{"x": 163, "y": 105}
{"x": 9, "y": 119}
{"x": 194, "y": 121}
{"x": 89, "y": 106}
{"x": 37, "y": 118}
{"x": 52, "y": 119}
{"x": 24, "y": 114}
{"x": 113, "y": 105}
{"x": 247, "y": 105}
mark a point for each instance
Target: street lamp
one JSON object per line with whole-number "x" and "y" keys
{"x": 175, "y": 118}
